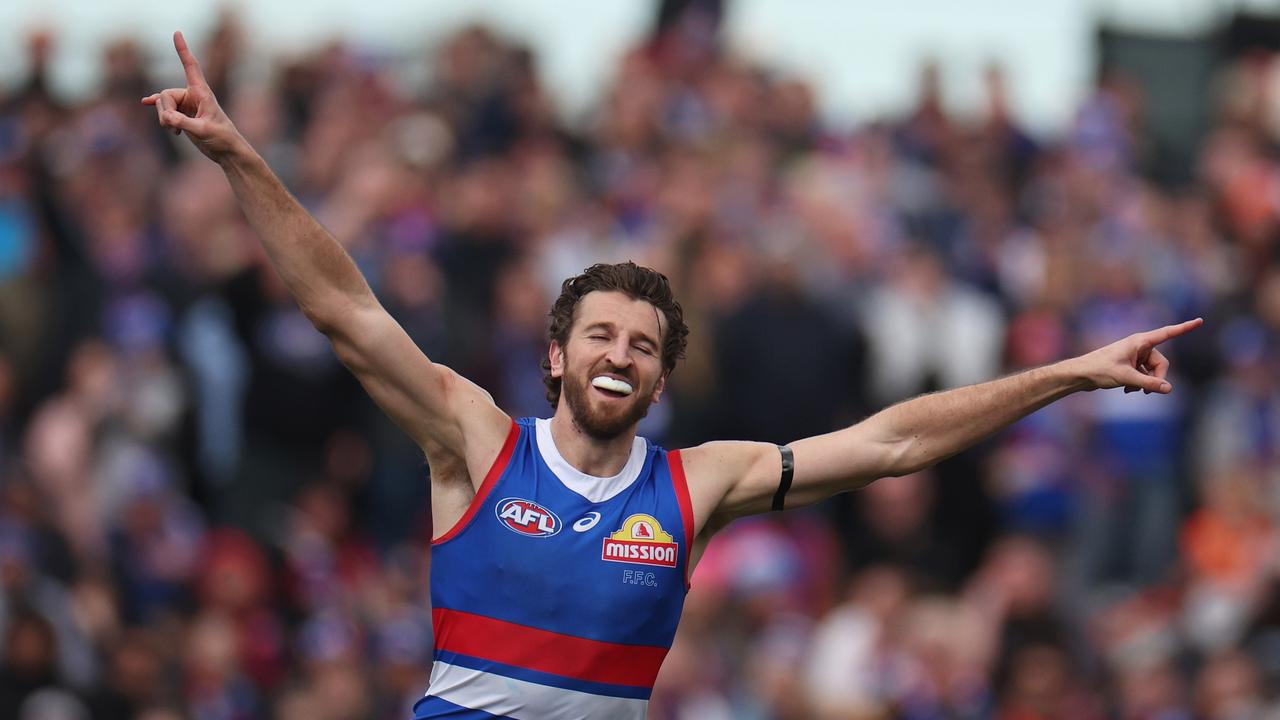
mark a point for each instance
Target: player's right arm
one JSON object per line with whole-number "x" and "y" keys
{"x": 438, "y": 408}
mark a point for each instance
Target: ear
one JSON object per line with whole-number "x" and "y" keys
{"x": 657, "y": 390}
{"x": 555, "y": 354}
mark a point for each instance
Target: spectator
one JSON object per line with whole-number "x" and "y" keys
{"x": 202, "y": 516}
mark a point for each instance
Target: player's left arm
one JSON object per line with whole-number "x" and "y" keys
{"x": 731, "y": 479}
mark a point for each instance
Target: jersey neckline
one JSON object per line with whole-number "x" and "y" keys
{"x": 593, "y": 488}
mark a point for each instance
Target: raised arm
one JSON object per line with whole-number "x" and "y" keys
{"x": 740, "y": 478}
{"x": 434, "y": 405}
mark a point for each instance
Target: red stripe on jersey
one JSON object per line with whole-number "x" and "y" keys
{"x": 676, "y": 463}
{"x": 491, "y": 479}
{"x": 545, "y": 651}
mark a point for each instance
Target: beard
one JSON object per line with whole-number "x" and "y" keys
{"x": 602, "y": 423}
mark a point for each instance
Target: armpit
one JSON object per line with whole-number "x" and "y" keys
{"x": 447, "y": 468}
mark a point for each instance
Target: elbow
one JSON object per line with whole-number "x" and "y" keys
{"x": 905, "y": 457}
{"x": 325, "y": 317}
{"x": 336, "y": 320}
{"x": 912, "y": 455}
{"x": 352, "y": 335}
{"x": 335, "y": 327}
{"x": 327, "y": 325}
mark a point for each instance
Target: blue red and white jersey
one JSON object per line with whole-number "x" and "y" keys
{"x": 557, "y": 594}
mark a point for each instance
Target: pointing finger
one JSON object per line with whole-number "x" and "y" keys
{"x": 1159, "y": 335}
{"x": 195, "y": 77}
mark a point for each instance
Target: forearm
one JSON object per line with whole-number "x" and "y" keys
{"x": 930, "y": 428}
{"x": 315, "y": 268}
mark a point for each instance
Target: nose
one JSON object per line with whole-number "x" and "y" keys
{"x": 619, "y": 354}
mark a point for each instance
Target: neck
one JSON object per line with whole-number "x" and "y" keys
{"x": 601, "y": 458}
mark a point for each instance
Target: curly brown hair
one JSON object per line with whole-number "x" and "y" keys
{"x": 637, "y": 282}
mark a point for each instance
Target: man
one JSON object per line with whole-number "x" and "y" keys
{"x": 566, "y": 544}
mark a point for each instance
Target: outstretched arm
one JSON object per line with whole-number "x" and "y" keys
{"x": 915, "y": 434}
{"x": 431, "y": 403}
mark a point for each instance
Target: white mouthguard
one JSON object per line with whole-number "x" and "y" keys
{"x": 604, "y": 382}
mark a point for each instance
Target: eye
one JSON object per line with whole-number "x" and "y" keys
{"x": 597, "y": 336}
{"x": 644, "y": 349}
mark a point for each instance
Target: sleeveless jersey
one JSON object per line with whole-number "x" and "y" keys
{"x": 557, "y": 594}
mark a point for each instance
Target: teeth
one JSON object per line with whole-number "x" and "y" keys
{"x": 604, "y": 382}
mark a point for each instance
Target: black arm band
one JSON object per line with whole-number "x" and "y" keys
{"x": 784, "y": 483}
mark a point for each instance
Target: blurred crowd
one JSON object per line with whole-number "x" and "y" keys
{"x": 202, "y": 516}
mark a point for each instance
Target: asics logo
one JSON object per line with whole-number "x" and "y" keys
{"x": 587, "y": 522}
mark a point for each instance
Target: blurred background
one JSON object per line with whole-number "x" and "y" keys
{"x": 202, "y": 517}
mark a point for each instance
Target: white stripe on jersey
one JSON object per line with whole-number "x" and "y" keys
{"x": 525, "y": 700}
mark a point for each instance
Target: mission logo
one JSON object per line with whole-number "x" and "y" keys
{"x": 641, "y": 541}
{"x": 527, "y": 518}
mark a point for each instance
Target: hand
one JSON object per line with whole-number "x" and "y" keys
{"x": 195, "y": 110}
{"x": 1133, "y": 363}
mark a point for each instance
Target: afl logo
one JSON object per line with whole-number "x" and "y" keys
{"x": 527, "y": 518}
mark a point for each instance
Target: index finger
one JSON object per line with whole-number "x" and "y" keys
{"x": 195, "y": 77}
{"x": 1159, "y": 335}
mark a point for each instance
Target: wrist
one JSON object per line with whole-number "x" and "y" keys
{"x": 1071, "y": 374}
{"x": 238, "y": 156}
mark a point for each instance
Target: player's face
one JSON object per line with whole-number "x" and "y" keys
{"x": 611, "y": 366}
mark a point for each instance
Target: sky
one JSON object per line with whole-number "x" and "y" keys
{"x": 862, "y": 57}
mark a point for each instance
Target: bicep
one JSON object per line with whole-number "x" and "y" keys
{"x": 726, "y": 479}
{"x": 434, "y": 405}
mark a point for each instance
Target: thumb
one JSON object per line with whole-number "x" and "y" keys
{"x": 1150, "y": 383}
